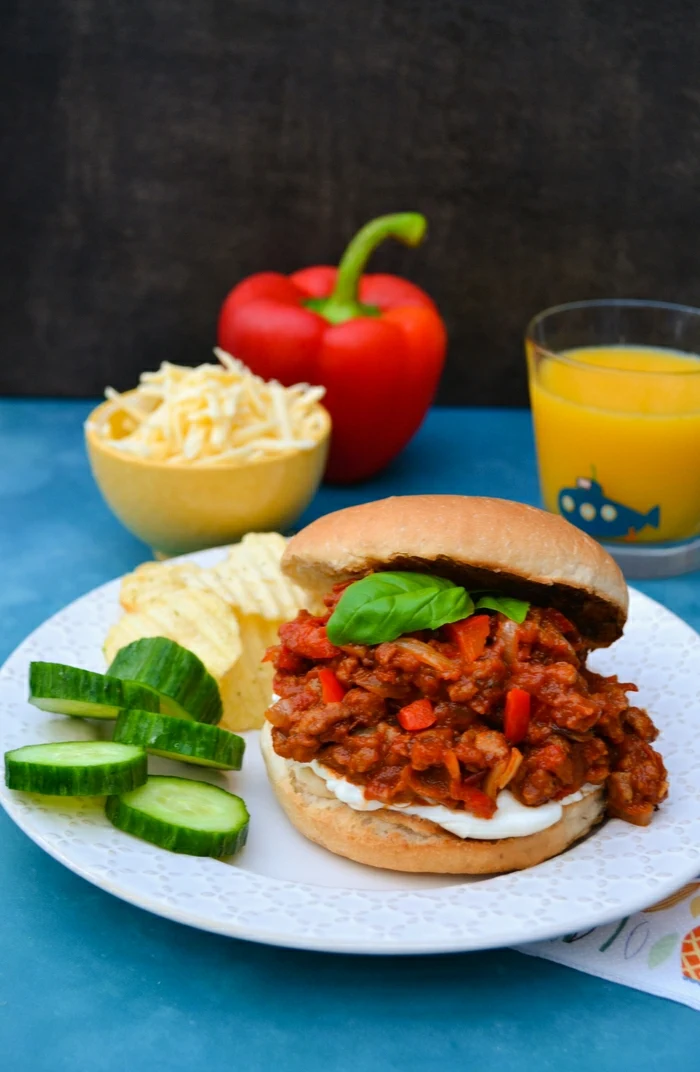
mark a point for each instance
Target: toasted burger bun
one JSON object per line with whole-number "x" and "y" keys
{"x": 477, "y": 542}
{"x": 401, "y": 842}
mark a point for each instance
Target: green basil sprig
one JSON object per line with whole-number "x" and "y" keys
{"x": 512, "y": 608}
{"x": 384, "y": 606}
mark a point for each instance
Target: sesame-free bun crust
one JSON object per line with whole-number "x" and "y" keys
{"x": 399, "y": 842}
{"x": 478, "y": 542}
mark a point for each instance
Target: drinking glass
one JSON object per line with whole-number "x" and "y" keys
{"x": 615, "y": 393}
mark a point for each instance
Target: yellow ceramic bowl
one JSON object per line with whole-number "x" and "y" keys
{"x": 183, "y": 507}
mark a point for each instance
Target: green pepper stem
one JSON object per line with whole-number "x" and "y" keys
{"x": 344, "y": 304}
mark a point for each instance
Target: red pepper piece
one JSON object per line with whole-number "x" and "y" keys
{"x": 418, "y": 715}
{"x": 471, "y": 635}
{"x": 517, "y": 715}
{"x": 477, "y": 802}
{"x": 331, "y": 689}
{"x": 376, "y": 342}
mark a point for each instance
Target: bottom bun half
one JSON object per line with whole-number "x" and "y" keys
{"x": 399, "y": 842}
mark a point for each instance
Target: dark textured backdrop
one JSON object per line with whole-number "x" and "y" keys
{"x": 154, "y": 151}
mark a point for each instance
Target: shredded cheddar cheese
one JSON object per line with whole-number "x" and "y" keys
{"x": 213, "y": 413}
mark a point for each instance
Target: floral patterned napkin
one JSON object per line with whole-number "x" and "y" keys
{"x": 657, "y": 950}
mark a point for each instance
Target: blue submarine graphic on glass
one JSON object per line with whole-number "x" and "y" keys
{"x": 587, "y": 506}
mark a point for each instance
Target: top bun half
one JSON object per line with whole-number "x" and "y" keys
{"x": 480, "y": 543}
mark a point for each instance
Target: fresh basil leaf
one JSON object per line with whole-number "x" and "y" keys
{"x": 516, "y": 609}
{"x": 383, "y": 606}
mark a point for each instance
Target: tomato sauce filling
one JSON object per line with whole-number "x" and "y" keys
{"x": 454, "y": 715}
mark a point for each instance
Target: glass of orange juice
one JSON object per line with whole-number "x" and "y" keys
{"x": 615, "y": 392}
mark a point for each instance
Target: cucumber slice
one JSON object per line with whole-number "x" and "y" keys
{"x": 76, "y": 768}
{"x": 180, "y": 738}
{"x": 66, "y": 690}
{"x": 181, "y": 815}
{"x": 187, "y": 689}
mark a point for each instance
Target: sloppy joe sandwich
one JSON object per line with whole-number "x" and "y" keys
{"x": 438, "y": 714}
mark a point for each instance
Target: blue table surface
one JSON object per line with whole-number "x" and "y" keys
{"x": 89, "y": 982}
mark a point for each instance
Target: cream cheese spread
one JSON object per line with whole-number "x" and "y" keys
{"x": 511, "y": 819}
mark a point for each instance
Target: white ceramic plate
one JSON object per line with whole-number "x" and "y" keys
{"x": 285, "y": 891}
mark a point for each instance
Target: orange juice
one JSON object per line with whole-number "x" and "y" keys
{"x": 618, "y": 439}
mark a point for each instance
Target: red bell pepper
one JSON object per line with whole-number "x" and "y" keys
{"x": 517, "y": 715}
{"x": 331, "y": 689}
{"x": 470, "y": 635}
{"x": 375, "y": 342}
{"x": 418, "y": 715}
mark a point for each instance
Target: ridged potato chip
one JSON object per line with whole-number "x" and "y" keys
{"x": 246, "y": 691}
{"x": 252, "y": 581}
{"x": 226, "y": 614}
{"x": 132, "y": 626}
{"x": 151, "y": 580}
{"x": 161, "y": 580}
{"x": 200, "y": 621}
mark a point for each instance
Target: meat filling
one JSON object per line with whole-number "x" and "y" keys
{"x": 362, "y": 712}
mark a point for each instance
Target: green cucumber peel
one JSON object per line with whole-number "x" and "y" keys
{"x": 75, "y": 768}
{"x": 68, "y": 690}
{"x": 384, "y": 606}
{"x": 181, "y": 815}
{"x": 185, "y": 686}
{"x": 180, "y": 739}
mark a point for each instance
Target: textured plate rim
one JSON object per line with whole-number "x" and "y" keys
{"x": 500, "y": 930}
